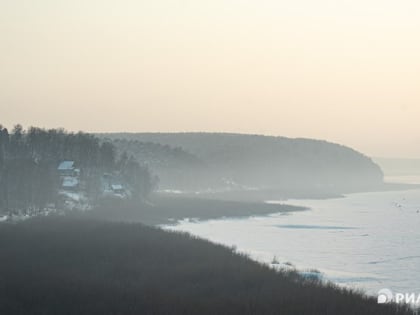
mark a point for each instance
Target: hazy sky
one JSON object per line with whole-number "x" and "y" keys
{"x": 344, "y": 71}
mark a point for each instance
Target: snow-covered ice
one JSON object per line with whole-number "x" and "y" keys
{"x": 363, "y": 240}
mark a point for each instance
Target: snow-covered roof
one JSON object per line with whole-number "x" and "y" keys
{"x": 116, "y": 187}
{"x": 70, "y": 182}
{"x": 66, "y": 165}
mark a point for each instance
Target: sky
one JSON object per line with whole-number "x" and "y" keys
{"x": 343, "y": 71}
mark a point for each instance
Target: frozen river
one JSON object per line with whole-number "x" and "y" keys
{"x": 369, "y": 240}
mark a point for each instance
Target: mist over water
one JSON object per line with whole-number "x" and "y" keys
{"x": 365, "y": 240}
{"x": 408, "y": 179}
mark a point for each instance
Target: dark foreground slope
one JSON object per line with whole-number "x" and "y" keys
{"x": 67, "y": 266}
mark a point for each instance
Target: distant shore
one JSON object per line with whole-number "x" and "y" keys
{"x": 261, "y": 195}
{"x": 169, "y": 209}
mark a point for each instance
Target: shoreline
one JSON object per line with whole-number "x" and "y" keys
{"x": 167, "y": 210}
{"x": 169, "y": 207}
{"x": 264, "y": 253}
{"x": 260, "y": 195}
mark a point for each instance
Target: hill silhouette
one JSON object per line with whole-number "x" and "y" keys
{"x": 263, "y": 162}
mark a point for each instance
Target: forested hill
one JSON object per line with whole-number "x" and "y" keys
{"x": 272, "y": 162}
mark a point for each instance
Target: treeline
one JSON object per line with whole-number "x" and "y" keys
{"x": 29, "y": 160}
{"x": 175, "y": 167}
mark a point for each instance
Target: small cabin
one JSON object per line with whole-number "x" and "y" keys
{"x": 70, "y": 183}
{"x": 117, "y": 189}
{"x": 67, "y": 168}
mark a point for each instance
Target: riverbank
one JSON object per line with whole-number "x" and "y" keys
{"x": 66, "y": 265}
{"x": 366, "y": 240}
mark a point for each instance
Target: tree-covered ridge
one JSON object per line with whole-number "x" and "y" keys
{"x": 157, "y": 155}
{"x": 174, "y": 167}
{"x": 275, "y": 162}
{"x": 29, "y": 180}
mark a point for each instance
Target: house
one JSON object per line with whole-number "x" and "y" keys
{"x": 69, "y": 175}
{"x": 112, "y": 186}
{"x": 67, "y": 168}
{"x": 70, "y": 183}
{"x": 117, "y": 189}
